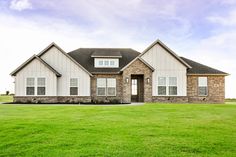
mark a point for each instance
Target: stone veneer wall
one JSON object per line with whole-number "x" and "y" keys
{"x": 137, "y": 68}
{"x": 52, "y": 99}
{"x": 216, "y": 89}
{"x": 106, "y": 99}
{"x": 170, "y": 99}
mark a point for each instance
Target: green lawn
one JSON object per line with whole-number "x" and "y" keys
{"x": 147, "y": 130}
{"x": 6, "y": 98}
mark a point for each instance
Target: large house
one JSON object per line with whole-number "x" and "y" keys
{"x": 116, "y": 75}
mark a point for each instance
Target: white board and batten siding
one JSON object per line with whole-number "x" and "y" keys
{"x": 68, "y": 69}
{"x": 166, "y": 65}
{"x": 35, "y": 69}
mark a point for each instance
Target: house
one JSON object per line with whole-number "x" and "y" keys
{"x": 116, "y": 75}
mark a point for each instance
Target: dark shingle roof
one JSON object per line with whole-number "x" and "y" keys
{"x": 83, "y": 57}
{"x": 198, "y": 68}
{"x": 106, "y": 53}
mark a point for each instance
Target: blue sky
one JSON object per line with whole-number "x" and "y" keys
{"x": 204, "y": 31}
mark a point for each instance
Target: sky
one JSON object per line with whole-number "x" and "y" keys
{"x": 204, "y": 31}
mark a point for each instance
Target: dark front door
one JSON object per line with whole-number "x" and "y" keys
{"x": 137, "y": 91}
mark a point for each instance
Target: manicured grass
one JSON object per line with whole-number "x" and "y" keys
{"x": 148, "y": 130}
{"x": 6, "y": 98}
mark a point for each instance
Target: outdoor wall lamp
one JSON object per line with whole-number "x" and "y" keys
{"x": 127, "y": 80}
{"x": 148, "y": 80}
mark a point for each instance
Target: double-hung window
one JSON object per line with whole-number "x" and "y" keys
{"x": 74, "y": 86}
{"x": 106, "y": 87}
{"x": 30, "y": 86}
{"x": 41, "y": 86}
{"x": 202, "y": 86}
{"x": 161, "y": 85}
{"x": 111, "y": 87}
{"x": 101, "y": 86}
{"x": 172, "y": 86}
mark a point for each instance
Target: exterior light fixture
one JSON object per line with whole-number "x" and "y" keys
{"x": 127, "y": 80}
{"x": 148, "y": 80}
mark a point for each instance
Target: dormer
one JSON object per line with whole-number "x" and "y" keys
{"x": 103, "y": 59}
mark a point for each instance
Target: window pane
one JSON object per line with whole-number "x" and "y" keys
{"x": 30, "y": 82}
{"x": 202, "y": 81}
{"x": 111, "y": 91}
{"x": 29, "y": 90}
{"x": 100, "y": 63}
{"x": 172, "y": 90}
{"x": 161, "y": 81}
{"x": 172, "y": 81}
{"x": 73, "y": 82}
{"x": 111, "y": 82}
{"x": 161, "y": 90}
{"x": 41, "y": 90}
{"x": 41, "y": 82}
{"x": 73, "y": 90}
{"x": 101, "y": 82}
{"x": 112, "y": 63}
{"x": 134, "y": 88}
{"x": 101, "y": 91}
{"x": 202, "y": 91}
{"x": 106, "y": 62}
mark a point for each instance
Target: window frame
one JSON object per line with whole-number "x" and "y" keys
{"x": 203, "y": 86}
{"x": 106, "y": 62}
{"x": 110, "y": 86}
{"x": 30, "y": 86}
{"x": 170, "y": 85}
{"x": 158, "y": 85}
{"x": 74, "y": 86}
{"x": 106, "y": 87}
{"x": 39, "y": 86}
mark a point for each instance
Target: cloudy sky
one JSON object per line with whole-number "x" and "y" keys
{"x": 204, "y": 31}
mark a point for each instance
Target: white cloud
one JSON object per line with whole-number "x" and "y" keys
{"x": 20, "y": 5}
{"x": 225, "y": 20}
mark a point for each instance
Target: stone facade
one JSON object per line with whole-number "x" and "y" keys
{"x": 170, "y": 99}
{"x": 216, "y": 89}
{"x": 107, "y": 99}
{"x": 137, "y": 68}
{"x": 52, "y": 99}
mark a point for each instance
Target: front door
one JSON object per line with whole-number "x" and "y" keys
{"x": 137, "y": 88}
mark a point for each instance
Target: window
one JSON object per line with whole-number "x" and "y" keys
{"x": 202, "y": 86}
{"x": 30, "y": 86}
{"x": 106, "y": 86}
{"x": 172, "y": 86}
{"x": 101, "y": 86}
{"x": 100, "y": 63}
{"x": 111, "y": 87}
{"x": 161, "y": 86}
{"x": 167, "y": 86}
{"x": 106, "y": 62}
{"x": 41, "y": 88}
{"x": 74, "y": 86}
{"x": 134, "y": 87}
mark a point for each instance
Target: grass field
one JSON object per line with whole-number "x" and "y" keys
{"x": 6, "y": 98}
{"x": 147, "y": 130}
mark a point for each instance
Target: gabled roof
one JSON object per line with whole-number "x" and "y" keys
{"x": 200, "y": 69}
{"x": 84, "y": 57}
{"x": 72, "y": 59}
{"x": 30, "y": 60}
{"x": 168, "y": 50}
{"x": 138, "y": 58}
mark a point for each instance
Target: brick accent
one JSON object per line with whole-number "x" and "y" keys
{"x": 170, "y": 99}
{"x": 216, "y": 89}
{"x": 137, "y": 68}
{"x": 106, "y": 99}
{"x": 52, "y": 99}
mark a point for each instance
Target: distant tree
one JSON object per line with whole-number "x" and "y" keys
{"x": 7, "y": 92}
